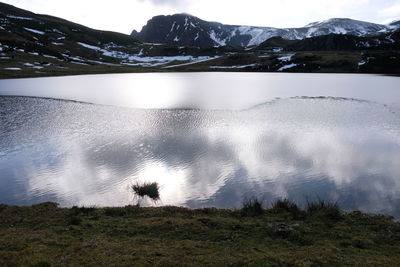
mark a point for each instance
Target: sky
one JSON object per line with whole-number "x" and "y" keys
{"x": 126, "y": 15}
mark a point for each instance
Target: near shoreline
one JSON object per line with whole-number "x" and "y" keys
{"x": 283, "y": 235}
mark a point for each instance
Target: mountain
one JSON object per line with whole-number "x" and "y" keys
{"x": 185, "y": 29}
{"x": 46, "y": 35}
{"x": 395, "y": 24}
{"x": 41, "y": 45}
{"x": 34, "y": 45}
{"x": 335, "y": 42}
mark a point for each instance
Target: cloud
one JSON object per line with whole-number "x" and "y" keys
{"x": 390, "y": 20}
{"x": 392, "y": 11}
{"x": 170, "y": 3}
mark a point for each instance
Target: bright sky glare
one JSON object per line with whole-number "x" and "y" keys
{"x": 126, "y": 15}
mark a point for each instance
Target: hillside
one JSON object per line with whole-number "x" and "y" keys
{"x": 336, "y": 42}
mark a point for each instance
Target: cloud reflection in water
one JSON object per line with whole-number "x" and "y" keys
{"x": 90, "y": 154}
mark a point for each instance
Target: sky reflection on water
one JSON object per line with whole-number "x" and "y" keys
{"x": 205, "y": 90}
{"x": 82, "y": 154}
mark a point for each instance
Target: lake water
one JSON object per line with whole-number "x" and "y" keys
{"x": 208, "y": 139}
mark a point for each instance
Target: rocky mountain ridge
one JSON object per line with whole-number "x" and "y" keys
{"x": 185, "y": 29}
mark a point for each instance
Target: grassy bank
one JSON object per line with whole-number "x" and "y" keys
{"x": 321, "y": 235}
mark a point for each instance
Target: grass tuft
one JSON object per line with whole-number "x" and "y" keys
{"x": 75, "y": 210}
{"x": 252, "y": 207}
{"x": 286, "y": 205}
{"x": 74, "y": 220}
{"x": 151, "y": 190}
{"x": 115, "y": 212}
{"x": 327, "y": 209}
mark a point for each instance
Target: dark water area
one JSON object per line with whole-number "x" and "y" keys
{"x": 261, "y": 140}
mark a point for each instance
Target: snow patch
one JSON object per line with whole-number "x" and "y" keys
{"x": 173, "y": 25}
{"x": 196, "y": 60}
{"x": 48, "y": 56}
{"x": 57, "y": 31}
{"x": 310, "y": 32}
{"x": 339, "y": 30}
{"x": 361, "y": 63}
{"x": 79, "y": 63}
{"x": 286, "y": 58}
{"x": 12, "y": 68}
{"x": 34, "y": 31}
{"x": 89, "y": 46}
{"x": 103, "y": 63}
{"x": 287, "y": 67}
{"x": 16, "y": 17}
{"x": 233, "y": 67}
{"x": 214, "y": 37}
{"x": 143, "y": 64}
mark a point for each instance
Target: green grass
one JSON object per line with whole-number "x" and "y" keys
{"x": 47, "y": 235}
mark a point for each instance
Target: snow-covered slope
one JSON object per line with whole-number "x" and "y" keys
{"x": 185, "y": 29}
{"x": 395, "y": 24}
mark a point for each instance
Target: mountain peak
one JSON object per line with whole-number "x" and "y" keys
{"x": 186, "y": 29}
{"x": 335, "y": 21}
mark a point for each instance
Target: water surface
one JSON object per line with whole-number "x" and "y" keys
{"x": 315, "y": 141}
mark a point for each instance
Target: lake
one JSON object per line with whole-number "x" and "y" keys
{"x": 208, "y": 139}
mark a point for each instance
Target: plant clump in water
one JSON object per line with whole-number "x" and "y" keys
{"x": 151, "y": 190}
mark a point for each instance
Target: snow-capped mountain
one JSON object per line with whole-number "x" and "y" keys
{"x": 395, "y": 24}
{"x": 185, "y": 29}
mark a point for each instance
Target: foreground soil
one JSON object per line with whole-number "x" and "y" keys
{"x": 46, "y": 235}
